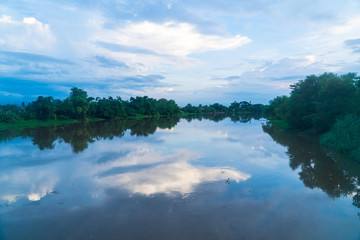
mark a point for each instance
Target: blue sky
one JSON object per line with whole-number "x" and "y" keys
{"x": 191, "y": 51}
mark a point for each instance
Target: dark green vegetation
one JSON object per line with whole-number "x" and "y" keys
{"x": 326, "y": 105}
{"x": 235, "y": 108}
{"x": 80, "y": 107}
{"x": 35, "y": 123}
{"x": 344, "y": 136}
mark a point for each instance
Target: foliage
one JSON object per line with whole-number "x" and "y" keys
{"x": 316, "y": 102}
{"x": 278, "y": 108}
{"x": 235, "y": 108}
{"x": 10, "y": 113}
{"x": 43, "y": 108}
{"x": 107, "y": 108}
{"x": 193, "y": 109}
{"x": 327, "y": 104}
{"x": 344, "y": 137}
{"x": 78, "y": 102}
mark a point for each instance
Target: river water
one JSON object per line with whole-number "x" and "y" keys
{"x": 174, "y": 179}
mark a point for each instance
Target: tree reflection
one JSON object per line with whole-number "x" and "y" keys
{"x": 318, "y": 169}
{"x": 44, "y": 137}
{"x": 79, "y": 135}
{"x": 243, "y": 118}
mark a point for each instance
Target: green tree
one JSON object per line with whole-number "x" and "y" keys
{"x": 316, "y": 102}
{"x": 44, "y": 108}
{"x": 78, "y": 103}
{"x": 278, "y": 108}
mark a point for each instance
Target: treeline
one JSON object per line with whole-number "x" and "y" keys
{"x": 237, "y": 108}
{"x": 327, "y": 105}
{"x": 79, "y": 106}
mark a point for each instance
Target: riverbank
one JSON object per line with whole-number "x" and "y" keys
{"x": 38, "y": 123}
{"x": 279, "y": 124}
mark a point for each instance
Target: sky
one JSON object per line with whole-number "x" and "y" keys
{"x": 192, "y": 51}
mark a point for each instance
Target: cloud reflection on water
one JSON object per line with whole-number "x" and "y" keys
{"x": 174, "y": 174}
{"x": 131, "y": 166}
{"x": 31, "y": 183}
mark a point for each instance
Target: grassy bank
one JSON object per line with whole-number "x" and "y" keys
{"x": 37, "y": 123}
{"x": 279, "y": 124}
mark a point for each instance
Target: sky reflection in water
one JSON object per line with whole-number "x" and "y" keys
{"x": 218, "y": 180}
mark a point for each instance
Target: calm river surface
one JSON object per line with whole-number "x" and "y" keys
{"x": 173, "y": 179}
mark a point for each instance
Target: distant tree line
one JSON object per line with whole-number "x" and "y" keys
{"x": 236, "y": 108}
{"x": 79, "y": 106}
{"x": 327, "y": 105}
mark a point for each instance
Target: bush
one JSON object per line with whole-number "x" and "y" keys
{"x": 344, "y": 136}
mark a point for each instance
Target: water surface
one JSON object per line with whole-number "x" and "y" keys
{"x": 174, "y": 179}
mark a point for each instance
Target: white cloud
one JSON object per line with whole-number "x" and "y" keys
{"x": 168, "y": 39}
{"x": 351, "y": 26}
{"x": 28, "y": 34}
{"x": 6, "y": 19}
{"x": 34, "y": 197}
{"x": 275, "y": 76}
{"x": 290, "y": 66}
{"x": 327, "y": 43}
{"x": 169, "y": 178}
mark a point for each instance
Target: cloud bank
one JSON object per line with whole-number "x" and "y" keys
{"x": 196, "y": 46}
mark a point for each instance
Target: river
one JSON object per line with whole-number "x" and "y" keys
{"x": 216, "y": 178}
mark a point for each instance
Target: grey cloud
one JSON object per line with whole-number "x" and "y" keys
{"x": 109, "y": 62}
{"x": 114, "y": 47}
{"x": 123, "y": 48}
{"x": 354, "y": 44}
{"x": 276, "y": 75}
{"x": 141, "y": 82}
{"x": 230, "y": 78}
{"x": 23, "y": 56}
{"x": 235, "y": 78}
{"x": 155, "y": 11}
{"x": 29, "y": 64}
{"x": 138, "y": 82}
{"x": 119, "y": 170}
